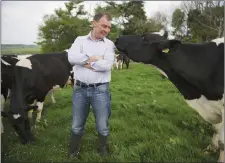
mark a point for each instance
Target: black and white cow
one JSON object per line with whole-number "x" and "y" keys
{"x": 7, "y": 61}
{"x": 196, "y": 69}
{"x": 120, "y": 59}
{"x": 7, "y": 64}
{"x": 33, "y": 78}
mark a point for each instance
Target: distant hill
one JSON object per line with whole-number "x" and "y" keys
{"x": 19, "y": 49}
{"x": 16, "y": 46}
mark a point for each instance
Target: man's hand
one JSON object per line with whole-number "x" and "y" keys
{"x": 88, "y": 66}
{"x": 94, "y": 58}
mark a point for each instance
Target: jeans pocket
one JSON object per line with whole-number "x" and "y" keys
{"x": 103, "y": 88}
{"x": 76, "y": 88}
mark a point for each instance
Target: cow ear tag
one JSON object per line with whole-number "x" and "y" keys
{"x": 165, "y": 50}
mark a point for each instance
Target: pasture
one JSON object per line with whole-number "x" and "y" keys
{"x": 149, "y": 122}
{"x": 25, "y": 50}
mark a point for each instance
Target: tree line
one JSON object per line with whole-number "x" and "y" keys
{"x": 193, "y": 21}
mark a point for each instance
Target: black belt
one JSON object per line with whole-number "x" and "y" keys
{"x": 84, "y": 85}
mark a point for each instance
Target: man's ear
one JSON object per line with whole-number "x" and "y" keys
{"x": 167, "y": 45}
{"x": 93, "y": 23}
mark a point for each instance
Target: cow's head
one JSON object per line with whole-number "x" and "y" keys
{"x": 145, "y": 48}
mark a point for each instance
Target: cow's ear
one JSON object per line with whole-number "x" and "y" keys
{"x": 167, "y": 45}
{"x": 165, "y": 35}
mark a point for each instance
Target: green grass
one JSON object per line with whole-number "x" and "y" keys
{"x": 20, "y": 51}
{"x": 150, "y": 122}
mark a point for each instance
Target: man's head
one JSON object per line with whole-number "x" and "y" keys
{"x": 101, "y": 25}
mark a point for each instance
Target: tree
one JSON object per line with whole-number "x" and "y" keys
{"x": 161, "y": 18}
{"x": 205, "y": 19}
{"x": 178, "y": 20}
{"x": 130, "y": 17}
{"x": 61, "y": 28}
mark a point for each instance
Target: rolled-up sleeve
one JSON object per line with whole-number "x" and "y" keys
{"x": 75, "y": 55}
{"x": 107, "y": 63}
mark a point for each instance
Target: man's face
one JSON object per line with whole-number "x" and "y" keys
{"x": 101, "y": 27}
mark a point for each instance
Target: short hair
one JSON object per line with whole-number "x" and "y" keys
{"x": 98, "y": 16}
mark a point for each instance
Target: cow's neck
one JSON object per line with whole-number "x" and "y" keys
{"x": 191, "y": 87}
{"x": 188, "y": 90}
{"x": 209, "y": 110}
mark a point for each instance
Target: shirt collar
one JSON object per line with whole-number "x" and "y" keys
{"x": 89, "y": 37}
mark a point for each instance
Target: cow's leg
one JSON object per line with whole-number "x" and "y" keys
{"x": 117, "y": 65}
{"x": 39, "y": 113}
{"x": 52, "y": 96}
{"x": 218, "y": 140}
{"x": 121, "y": 65}
{"x": 127, "y": 63}
{"x": 39, "y": 110}
{"x": 213, "y": 146}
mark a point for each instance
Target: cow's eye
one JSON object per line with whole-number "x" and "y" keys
{"x": 142, "y": 37}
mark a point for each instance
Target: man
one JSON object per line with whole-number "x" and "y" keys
{"x": 93, "y": 56}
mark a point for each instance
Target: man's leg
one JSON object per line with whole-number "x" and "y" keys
{"x": 101, "y": 104}
{"x": 80, "y": 111}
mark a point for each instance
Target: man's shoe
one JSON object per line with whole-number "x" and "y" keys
{"x": 74, "y": 146}
{"x": 103, "y": 146}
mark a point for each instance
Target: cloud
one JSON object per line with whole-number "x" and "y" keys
{"x": 167, "y": 7}
{"x": 20, "y": 19}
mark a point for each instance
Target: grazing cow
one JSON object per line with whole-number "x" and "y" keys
{"x": 33, "y": 78}
{"x": 7, "y": 64}
{"x": 120, "y": 59}
{"x": 197, "y": 70}
{"x": 117, "y": 62}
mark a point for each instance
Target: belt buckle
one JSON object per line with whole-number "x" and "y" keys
{"x": 92, "y": 85}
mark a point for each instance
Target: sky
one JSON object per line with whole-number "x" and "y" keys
{"x": 20, "y": 19}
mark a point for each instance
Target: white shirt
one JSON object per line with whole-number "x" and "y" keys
{"x": 85, "y": 47}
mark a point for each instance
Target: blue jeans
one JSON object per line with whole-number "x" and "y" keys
{"x": 100, "y": 100}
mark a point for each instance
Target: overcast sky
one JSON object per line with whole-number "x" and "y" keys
{"x": 20, "y": 19}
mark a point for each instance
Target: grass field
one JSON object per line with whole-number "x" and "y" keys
{"x": 20, "y": 51}
{"x": 149, "y": 122}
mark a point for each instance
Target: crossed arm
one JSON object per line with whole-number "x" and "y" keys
{"x": 96, "y": 63}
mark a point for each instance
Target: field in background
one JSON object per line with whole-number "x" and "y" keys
{"x": 20, "y": 50}
{"x": 149, "y": 122}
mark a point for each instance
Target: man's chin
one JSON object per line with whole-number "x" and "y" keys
{"x": 102, "y": 36}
